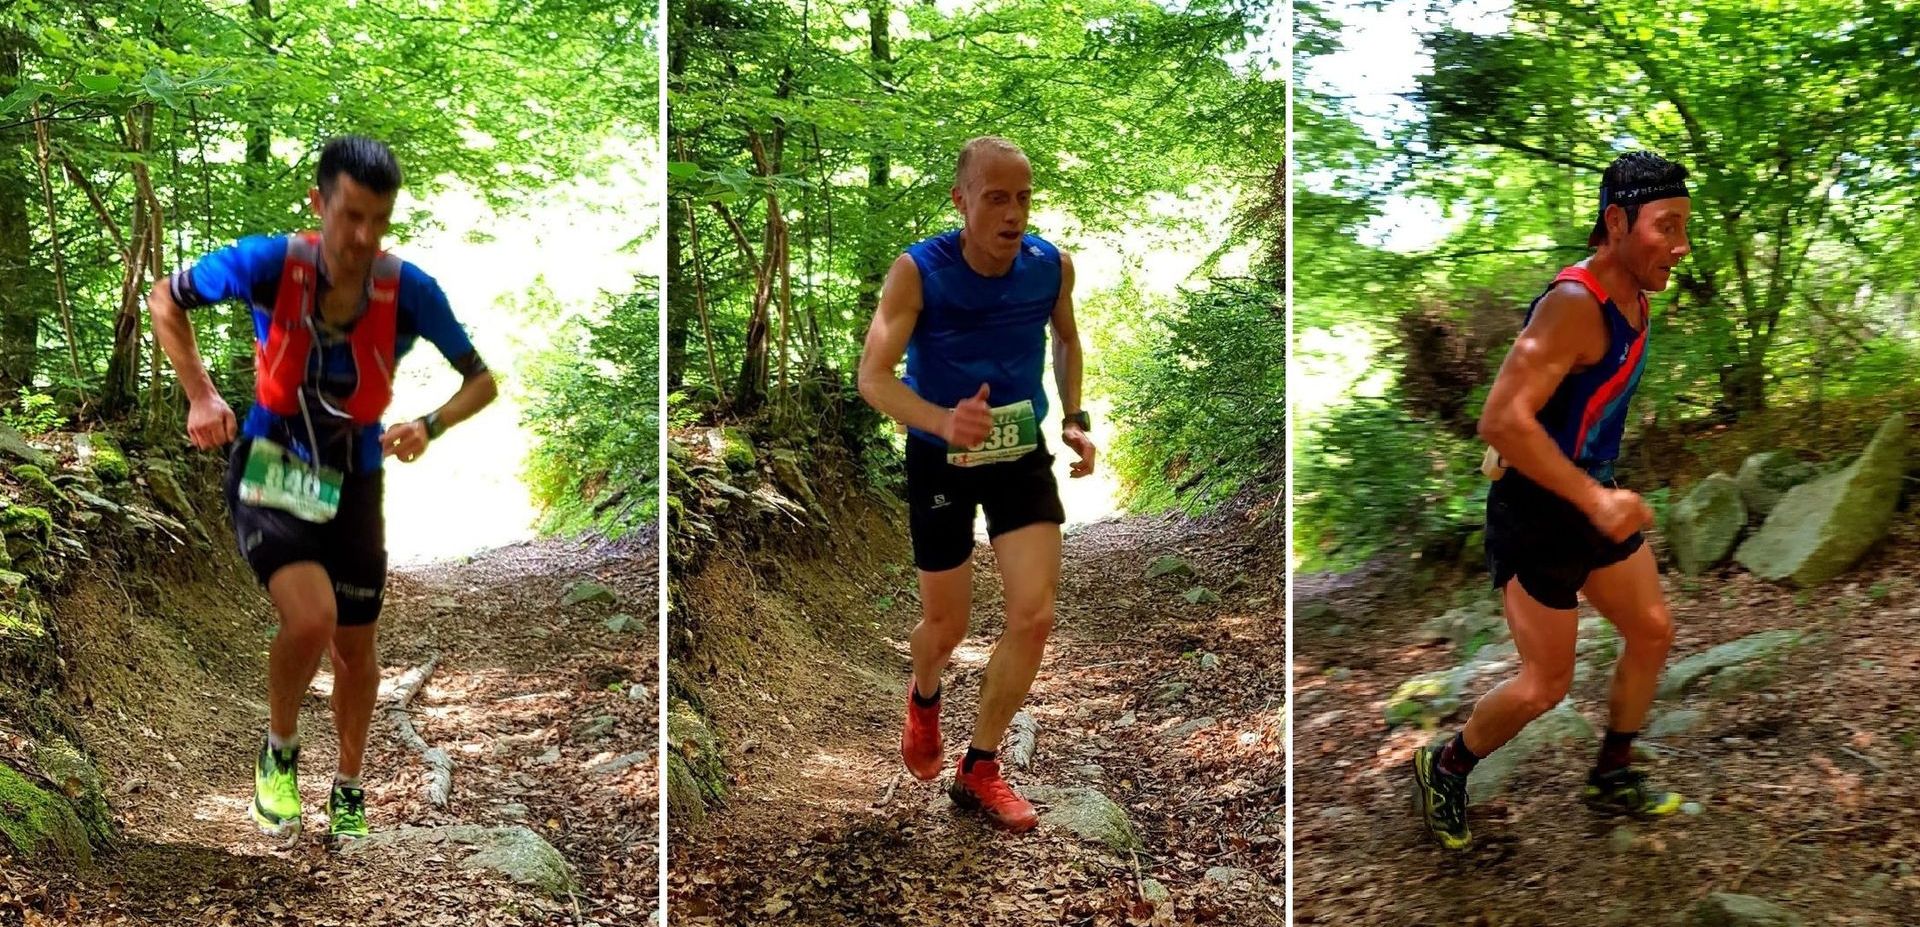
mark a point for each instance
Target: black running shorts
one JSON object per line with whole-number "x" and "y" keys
{"x": 1544, "y": 540}
{"x": 941, "y": 499}
{"x": 352, "y": 548}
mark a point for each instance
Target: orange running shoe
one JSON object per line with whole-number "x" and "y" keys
{"x": 920, "y": 741}
{"x": 984, "y": 791}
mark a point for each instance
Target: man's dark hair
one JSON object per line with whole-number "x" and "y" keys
{"x": 1633, "y": 171}
{"x": 368, "y": 161}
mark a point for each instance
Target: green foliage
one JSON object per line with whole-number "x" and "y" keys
{"x": 593, "y": 405}
{"x": 843, "y": 120}
{"x": 220, "y": 110}
{"x": 1799, "y": 289}
{"x": 1202, "y": 393}
{"x": 1367, "y": 475}
{"x": 38, "y": 413}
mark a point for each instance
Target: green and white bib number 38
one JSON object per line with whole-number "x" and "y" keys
{"x": 275, "y": 479}
{"x": 1014, "y": 433}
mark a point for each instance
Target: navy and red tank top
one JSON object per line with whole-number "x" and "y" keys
{"x": 1588, "y": 412}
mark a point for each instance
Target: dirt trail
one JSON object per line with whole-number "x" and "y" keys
{"x": 1803, "y": 780}
{"x": 825, "y": 827}
{"x": 528, "y": 697}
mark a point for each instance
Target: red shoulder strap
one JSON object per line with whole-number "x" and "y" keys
{"x": 1585, "y": 278}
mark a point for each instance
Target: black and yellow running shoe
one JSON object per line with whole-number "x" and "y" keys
{"x": 1441, "y": 800}
{"x": 276, "y": 793}
{"x": 1627, "y": 791}
{"x": 346, "y": 814}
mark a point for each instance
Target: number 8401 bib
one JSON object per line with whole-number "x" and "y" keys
{"x": 1014, "y": 433}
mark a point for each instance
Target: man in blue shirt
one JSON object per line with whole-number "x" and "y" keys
{"x": 332, "y": 315}
{"x": 970, "y": 309}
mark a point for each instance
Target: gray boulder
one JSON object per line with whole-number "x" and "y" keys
{"x": 512, "y": 850}
{"x": 1766, "y": 476}
{"x": 1721, "y": 909}
{"x": 1766, "y": 645}
{"x": 1821, "y": 528}
{"x": 1701, "y": 529}
{"x": 1560, "y": 725}
{"x": 1088, "y": 814}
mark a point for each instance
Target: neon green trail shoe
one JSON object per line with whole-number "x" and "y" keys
{"x": 346, "y": 813}
{"x": 276, "y": 793}
{"x": 1626, "y": 791}
{"x": 1441, "y": 800}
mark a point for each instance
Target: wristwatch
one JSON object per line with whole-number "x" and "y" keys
{"x": 1080, "y": 418}
{"x": 434, "y": 428}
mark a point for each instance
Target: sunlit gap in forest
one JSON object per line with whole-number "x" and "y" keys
{"x": 573, "y": 242}
{"x": 1160, "y": 256}
{"x": 1382, "y": 51}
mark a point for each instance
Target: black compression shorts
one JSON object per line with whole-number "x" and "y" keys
{"x": 1544, "y": 540}
{"x": 941, "y": 499}
{"x": 352, "y": 548}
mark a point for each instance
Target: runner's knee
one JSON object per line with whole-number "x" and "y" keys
{"x": 1539, "y": 691}
{"x": 1652, "y": 635}
{"x": 1030, "y": 620}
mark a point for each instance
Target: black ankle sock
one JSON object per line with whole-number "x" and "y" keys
{"x": 1455, "y": 758}
{"x": 1616, "y": 751}
{"x": 975, "y": 754}
{"x": 925, "y": 701}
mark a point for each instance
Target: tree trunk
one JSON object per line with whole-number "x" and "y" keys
{"x": 677, "y": 213}
{"x": 260, "y": 179}
{"x": 876, "y": 254}
{"x": 19, "y": 272}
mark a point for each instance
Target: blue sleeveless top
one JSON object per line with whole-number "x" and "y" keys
{"x": 974, "y": 329}
{"x": 1588, "y": 412}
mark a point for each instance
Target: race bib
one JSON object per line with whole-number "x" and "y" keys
{"x": 275, "y": 479}
{"x": 1015, "y": 432}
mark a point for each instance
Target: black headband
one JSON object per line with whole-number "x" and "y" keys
{"x": 1634, "y": 196}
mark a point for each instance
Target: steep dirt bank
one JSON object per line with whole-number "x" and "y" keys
{"x": 162, "y": 676}
{"x": 797, "y": 654}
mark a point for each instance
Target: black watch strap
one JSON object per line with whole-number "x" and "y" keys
{"x": 1082, "y": 419}
{"x": 434, "y": 428}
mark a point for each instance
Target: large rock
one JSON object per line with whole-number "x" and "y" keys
{"x": 1820, "y": 528}
{"x": 13, "y": 444}
{"x": 1469, "y": 627}
{"x": 589, "y": 592}
{"x": 513, "y": 851}
{"x": 73, "y": 774}
{"x": 1766, "y": 645}
{"x": 1560, "y": 725}
{"x": 786, "y": 474}
{"x": 696, "y": 770}
{"x": 1702, "y": 528}
{"x": 1725, "y": 910}
{"x": 1088, "y": 814}
{"x": 1432, "y": 698}
{"x": 101, "y": 455}
{"x": 166, "y": 488}
{"x": 734, "y": 448}
{"x": 1766, "y": 476}
{"x": 37, "y": 822}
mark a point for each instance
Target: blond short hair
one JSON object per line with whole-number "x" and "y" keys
{"x": 982, "y": 143}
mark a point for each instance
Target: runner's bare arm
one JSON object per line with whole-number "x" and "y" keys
{"x": 175, "y": 334}
{"x": 1066, "y": 341}
{"x": 210, "y": 423}
{"x": 1566, "y": 332}
{"x": 886, "y": 344}
{"x": 1067, "y": 366}
{"x": 476, "y": 391}
{"x": 408, "y": 440}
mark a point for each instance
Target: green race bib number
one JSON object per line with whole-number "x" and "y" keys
{"x": 1015, "y": 432}
{"x": 276, "y": 479}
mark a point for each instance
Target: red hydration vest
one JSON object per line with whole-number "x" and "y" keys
{"x": 281, "y": 361}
